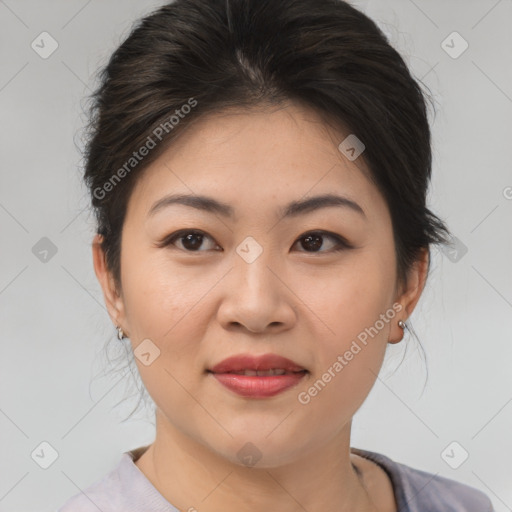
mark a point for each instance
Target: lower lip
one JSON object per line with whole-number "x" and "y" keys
{"x": 258, "y": 387}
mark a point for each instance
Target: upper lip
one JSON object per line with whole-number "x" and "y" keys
{"x": 249, "y": 362}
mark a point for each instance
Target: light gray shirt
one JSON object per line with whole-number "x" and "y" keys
{"x": 126, "y": 489}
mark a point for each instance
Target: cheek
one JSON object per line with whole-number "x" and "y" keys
{"x": 347, "y": 299}
{"x": 347, "y": 313}
{"x": 165, "y": 309}
{"x": 166, "y": 305}
{"x": 159, "y": 298}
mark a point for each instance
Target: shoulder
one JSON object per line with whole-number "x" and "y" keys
{"x": 103, "y": 494}
{"x": 443, "y": 494}
{"x": 124, "y": 489}
{"x": 416, "y": 490}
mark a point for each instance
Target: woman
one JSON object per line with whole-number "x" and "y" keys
{"x": 259, "y": 170}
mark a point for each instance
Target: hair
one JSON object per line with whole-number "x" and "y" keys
{"x": 192, "y": 58}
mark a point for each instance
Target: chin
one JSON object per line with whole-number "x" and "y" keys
{"x": 258, "y": 450}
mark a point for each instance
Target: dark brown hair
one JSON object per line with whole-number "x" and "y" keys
{"x": 191, "y": 58}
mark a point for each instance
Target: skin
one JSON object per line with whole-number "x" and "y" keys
{"x": 305, "y": 303}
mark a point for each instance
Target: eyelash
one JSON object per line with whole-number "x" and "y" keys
{"x": 342, "y": 243}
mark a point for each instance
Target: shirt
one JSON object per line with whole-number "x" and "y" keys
{"x": 127, "y": 489}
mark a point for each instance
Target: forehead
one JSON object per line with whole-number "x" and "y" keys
{"x": 255, "y": 158}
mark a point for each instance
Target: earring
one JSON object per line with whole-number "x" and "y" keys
{"x": 401, "y": 324}
{"x": 120, "y": 333}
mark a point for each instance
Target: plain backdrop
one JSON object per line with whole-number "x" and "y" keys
{"x": 57, "y": 385}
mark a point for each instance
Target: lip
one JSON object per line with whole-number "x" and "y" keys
{"x": 259, "y": 386}
{"x": 249, "y": 362}
{"x": 254, "y": 386}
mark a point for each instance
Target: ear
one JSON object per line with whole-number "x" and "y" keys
{"x": 410, "y": 294}
{"x": 113, "y": 298}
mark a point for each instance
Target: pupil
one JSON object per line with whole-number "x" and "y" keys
{"x": 192, "y": 237}
{"x": 315, "y": 239}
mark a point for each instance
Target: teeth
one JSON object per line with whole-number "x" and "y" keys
{"x": 273, "y": 371}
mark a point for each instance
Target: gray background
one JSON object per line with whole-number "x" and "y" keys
{"x": 56, "y": 385}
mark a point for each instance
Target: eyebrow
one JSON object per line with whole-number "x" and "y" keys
{"x": 293, "y": 209}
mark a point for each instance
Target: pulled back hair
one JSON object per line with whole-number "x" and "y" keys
{"x": 190, "y": 58}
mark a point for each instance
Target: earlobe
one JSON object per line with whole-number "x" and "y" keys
{"x": 111, "y": 295}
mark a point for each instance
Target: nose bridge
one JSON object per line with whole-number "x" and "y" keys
{"x": 252, "y": 264}
{"x": 254, "y": 296}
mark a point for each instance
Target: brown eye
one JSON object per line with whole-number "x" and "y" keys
{"x": 314, "y": 241}
{"x": 191, "y": 240}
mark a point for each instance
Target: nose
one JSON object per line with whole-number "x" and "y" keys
{"x": 256, "y": 297}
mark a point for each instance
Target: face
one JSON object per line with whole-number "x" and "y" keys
{"x": 315, "y": 284}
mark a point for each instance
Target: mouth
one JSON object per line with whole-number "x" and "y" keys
{"x": 262, "y": 365}
{"x": 260, "y": 373}
{"x": 254, "y": 384}
{"x": 257, "y": 376}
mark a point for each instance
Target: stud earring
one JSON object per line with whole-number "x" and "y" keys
{"x": 401, "y": 324}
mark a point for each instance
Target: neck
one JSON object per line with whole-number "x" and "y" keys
{"x": 191, "y": 476}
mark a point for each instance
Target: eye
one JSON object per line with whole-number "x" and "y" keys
{"x": 314, "y": 240}
{"x": 190, "y": 240}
